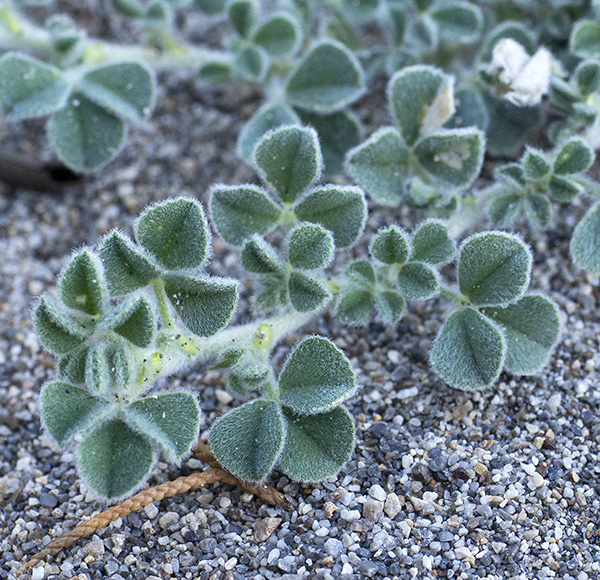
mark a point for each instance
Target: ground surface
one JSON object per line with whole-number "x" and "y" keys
{"x": 500, "y": 484}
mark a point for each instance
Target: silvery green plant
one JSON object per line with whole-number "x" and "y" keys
{"x": 131, "y": 312}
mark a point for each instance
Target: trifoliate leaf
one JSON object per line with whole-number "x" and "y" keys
{"x": 317, "y": 446}
{"x": 538, "y": 209}
{"x": 380, "y": 166}
{"x": 125, "y": 265}
{"x": 248, "y": 440}
{"x": 242, "y": 15}
{"x": 453, "y": 156}
{"x": 259, "y": 257}
{"x": 85, "y": 135}
{"x": 97, "y": 369}
{"x": 134, "y": 321}
{"x": 175, "y": 232}
{"x": 493, "y": 268}
{"x": 172, "y": 420}
{"x": 328, "y": 78}
{"x": 432, "y": 244}
{"x": 535, "y": 165}
{"x": 310, "y": 247}
{"x": 251, "y": 63}
{"x": 279, "y": 36}
{"x": 306, "y": 292}
{"x": 204, "y": 305}
{"x": 458, "y": 22}
{"x": 531, "y": 327}
{"x": 289, "y": 160}
{"x": 585, "y": 243}
{"x": 82, "y": 284}
{"x": 390, "y": 306}
{"x": 355, "y": 307}
{"x": 71, "y": 367}
{"x": 361, "y": 272}
{"x": 587, "y": 75}
{"x": 126, "y": 89}
{"x": 359, "y": 9}
{"x": 214, "y": 72}
{"x": 469, "y": 351}
{"x": 30, "y": 88}
{"x": 210, "y": 6}
{"x": 563, "y": 188}
{"x": 574, "y": 157}
{"x": 238, "y": 212}
{"x": 316, "y": 377}
{"x": 341, "y": 210}
{"x": 57, "y": 331}
{"x": 585, "y": 39}
{"x": 390, "y": 246}
{"x": 505, "y": 209}
{"x": 68, "y": 410}
{"x": 114, "y": 460}
{"x": 417, "y": 281}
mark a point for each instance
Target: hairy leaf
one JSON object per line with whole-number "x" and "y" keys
{"x": 306, "y": 292}
{"x": 564, "y": 189}
{"x": 82, "y": 284}
{"x": 243, "y": 15}
{"x": 355, "y": 307}
{"x": 390, "y": 305}
{"x": 97, "y": 369}
{"x": 535, "y": 165}
{"x": 279, "y": 36}
{"x": 361, "y": 272}
{"x": 390, "y": 246}
{"x": 310, "y": 247}
{"x": 585, "y": 39}
{"x": 251, "y": 63}
{"x": 259, "y": 257}
{"x": 431, "y": 243}
{"x": 458, "y": 22}
{"x": 134, "y": 321}
{"x": 587, "y": 75}
{"x": 57, "y": 331}
{"x": 417, "y": 281}
{"x": 505, "y": 209}
{"x": 538, "y": 209}
{"x": 585, "y": 243}
{"x": 574, "y": 157}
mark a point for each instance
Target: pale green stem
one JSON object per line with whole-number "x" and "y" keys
{"x": 451, "y": 296}
{"x": 163, "y": 307}
{"x": 472, "y": 210}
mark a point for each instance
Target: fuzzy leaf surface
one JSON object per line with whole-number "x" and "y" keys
{"x": 355, "y": 307}
{"x": 279, "y": 36}
{"x": 172, "y": 420}
{"x": 114, "y": 460}
{"x": 134, "y": 321}
{"x": 380, "y": 166}
{"x": 535, "y": 165}
{"x": 574, "y": 157}
{"x": 259, "y": 257}
{"x": 432, "y": 244}
{"x": 97, "y": 369}
{"x": 417, "y": 281}
{"x": 57, "y": 331}
{"x": 82, "y": 285}
{"x": 564, "y": 189}
{"x": 248, "y": 440}
{"x": 175, "y": 232}
{"x": 311, "y": 246}
{"x": 585, "y": 39}
{"x": 469, "y": 351}
{"x": 316, "y": 377}
{"x": 85, "y": 135}
{"x": 390, "y": 306}
{"x": 328, "y": 78}
{"x": 289, "y": 160}
{"x": 361, "y": 272}
{"x": 68, "y": 410}
{"x": 505, "y": 209}
{"x": 585, "y": 243}
{"x": 204, "y": 305}
{"x": 251, "y": 63}
{"x": 341, "y": 210}
{"x": 390, "y": 246}
{"x": 531, "y": 328}
{"x": 458, "y": 22}
{"x": 588, "y": 77}
{"x": 242, "y": 15}
{"x": 71, "y": 367}
{"x": 538, "y": 209}
{"x": 239, "y": 212}
{"x": 493, "y": 268}
{"x": 306, "y": 292}
{"x": 317, "y": 446}
{"x": 30, "y": 88}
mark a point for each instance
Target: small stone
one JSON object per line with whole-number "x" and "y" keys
{"x": 333, "y": 547}
{"x": 418, "y": 503}
{"x": 38, "y": 573}
{"x": 329, "y": 508}
{"x": 273, "y": 555}
{"x": 168, "y": 520}
{"x": 372, "y": 509}
{"x": 223, "y": 396}
{"x": 537, "y": 481}
{"x": 230, "y": 564}
{"x": 347, "y": 569}
{"x": 480, "y": 468}
{"x": 95, "y": 548}
{"x": 377, "y": 492}
{"x": 48, "y": 500}
{"x": 462, "y": 552}
{"x": 392, "y": 506}
{"x": 265, "y": 528}
{"x": 151, "y": 511}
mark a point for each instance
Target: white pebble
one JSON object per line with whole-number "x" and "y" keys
{"x": 151, "y": 511}
{"x": 223, "y": 397}
{"x": 377, "y": 492}
{"x": 462, "y": 552}
{"x": 38, "y": 573}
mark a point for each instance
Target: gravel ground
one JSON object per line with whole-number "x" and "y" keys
{"x": 444, "y": 484}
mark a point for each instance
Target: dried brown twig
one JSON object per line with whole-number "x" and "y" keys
{"x": 156, "y": 493}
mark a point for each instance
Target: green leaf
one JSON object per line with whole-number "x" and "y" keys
{"x": 175, "y": 232}
{"x": 585, "y": 39}
{"x": 123, "y": 367}
{"x": 280, "y": 36}
{"x": 97, "y": 369}
{"x": 268, "y": 117}
{"x": 205, "y": 305}
{"x": 531, "y": 328}
{"x": 469, "y": 351}
{"x": 125, "y": 266}
{"x": 211, "y": 6}
{"x": 68, "y": 410}
{"x": 310, "y": 247}
{"x": 242, "y": 15}
{"x": 505, "y": 209}
{"x": 289, "y": 160}
{"x": 172, "y": 420}
{"x": 538, "y": 209}
{"x": 317, "y": 446}
{"x": 431, "y": 243}
{"x": 361, "y": 272}
{"x": 493, "y": 268}
{"x": 82, "y": 284}
{"x": 259, "y": 257}
{"x": 251, "y": 63}
{"x": 316, "y": 377}
{"x": 214, "y": 72}
{"x": 574, "y": 157}
{"x": 360, "y": 9}
{"x": 306, "y": 292}
{"x": 535, "y": 165}
{"x": 126, "y": 89}
{"x": 458, "y": 22}
{"x": 453, "y": 156}
{"x": 390, "y": 246}
{"x": 423, "y": 34}
{"x": 470, "y": 110}
{"x": 390, "y": 306}
{"x": 380, "y": 166}
{"x": 338, "y": 133}
{"x": 355, "y": 307}
{"x": 417, "y": 281}
{"x": 248, "y": 440}
{"x": 341, "y": 210}
{"x": 328, "y": 78}
{"x": 511, "y": 175}
{"x": 585, "y": 243}
{"x": 114, "y": 460}
{"x": 587, "y": 75}
{"x": 411, "y": 93}
{"x": 134, "y": 321}
{"x": 563, "y": 188}
{"x": 30, "y": 88}
{"x": 57, "y": 331}
{"x": 71, "y": 367}
{"x": 85, "y": 135}
{"x": 238, "y": 212}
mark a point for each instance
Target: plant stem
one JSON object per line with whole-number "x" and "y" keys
{"x": 451, "y": 296}
{"x": 163, "y": 307}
